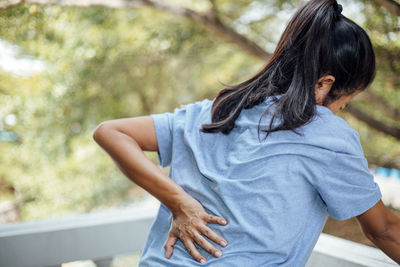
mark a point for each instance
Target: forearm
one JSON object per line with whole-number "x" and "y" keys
{"x": 130, "y": 159}
{"x": 390, "y": 242}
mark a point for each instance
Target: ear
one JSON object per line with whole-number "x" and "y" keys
{"x": 322, "y": 88}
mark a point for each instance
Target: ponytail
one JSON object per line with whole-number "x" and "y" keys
{"x": 317, "y": 41}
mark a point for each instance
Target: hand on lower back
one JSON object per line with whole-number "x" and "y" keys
{"x": 189, "y": 223}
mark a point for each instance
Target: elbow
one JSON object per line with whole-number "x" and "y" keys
{"x": 100, "y": 131}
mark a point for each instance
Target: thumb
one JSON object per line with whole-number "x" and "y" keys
{"x": 169, "y": 246}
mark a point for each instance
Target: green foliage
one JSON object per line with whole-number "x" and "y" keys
{"x": 105, "y": 63}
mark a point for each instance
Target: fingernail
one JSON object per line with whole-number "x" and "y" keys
{"x": 223, "y": 221}
{"x": 218, "y": 254}
{"x": 202, "y": 261}
{"x": 223, "y": 243}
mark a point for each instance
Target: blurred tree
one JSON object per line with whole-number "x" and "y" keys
{"x": 114, "y": 59}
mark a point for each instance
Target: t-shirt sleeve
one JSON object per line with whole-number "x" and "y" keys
{"x": 347, "y": 186}
{"x": 165, "y": 125}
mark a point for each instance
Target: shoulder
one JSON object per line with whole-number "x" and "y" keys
{"x": 189, "y": 114}
{"x": 196, "y": 105}
{"x": 342, "y": 136}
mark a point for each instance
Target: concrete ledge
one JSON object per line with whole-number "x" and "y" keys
{"x": 334, "y": 251}
{"x": 101, "y": 235}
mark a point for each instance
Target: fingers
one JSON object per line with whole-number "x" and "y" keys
{"x": 169, "y": 246}
{"x": 212, "y": 235}
{"x": 190, "y": 247}
{"x": 215, "y": 219}
{"x": 190, "y": 230}
{"x": 199, "y": 239}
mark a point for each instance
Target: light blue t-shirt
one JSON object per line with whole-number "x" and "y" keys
{"x": 276, "y": 195}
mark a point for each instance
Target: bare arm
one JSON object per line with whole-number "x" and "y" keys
{"x": 130, "y": 159}
{"x": 125, "y": 140}
{"x": 382, "y": 227}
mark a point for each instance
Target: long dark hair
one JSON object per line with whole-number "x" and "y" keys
{"x": 317, "y": 41}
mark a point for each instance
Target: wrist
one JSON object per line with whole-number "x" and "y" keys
{"x": 175, "y": 200}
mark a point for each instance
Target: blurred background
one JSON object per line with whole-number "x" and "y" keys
{"x": 66, "y": 66}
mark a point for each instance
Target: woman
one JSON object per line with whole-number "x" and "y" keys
{"x": 275, "y": 194}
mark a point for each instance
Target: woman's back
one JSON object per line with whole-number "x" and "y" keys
{"x": 275, "y": 195}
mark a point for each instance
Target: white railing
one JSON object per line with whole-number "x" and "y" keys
{"x": 102, "y": 235}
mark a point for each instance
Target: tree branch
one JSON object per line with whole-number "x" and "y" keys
{"x": 390, "y": 111}
{"x": 80, "y": 3}
{"x": 223, "y": 31}
{"x": 391, "y": 5}
{"x": 213, "y": 9}
{"x": 206, "y": 19}
{"x": 372, "y": 122}
{"x": 10, "y": 3}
